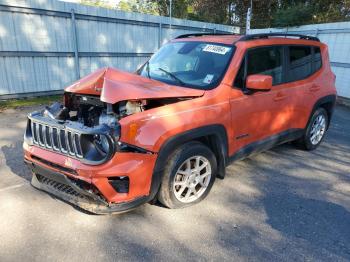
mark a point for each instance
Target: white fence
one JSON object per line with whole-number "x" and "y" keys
{"x": 45, "y": 45}
{"x": 337, "y": 37}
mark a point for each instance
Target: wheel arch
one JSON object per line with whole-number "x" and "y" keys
{"x": 326, "y": 102}
{"x": 213, "y": 136}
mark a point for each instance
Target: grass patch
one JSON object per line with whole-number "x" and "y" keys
{"x": 15, "y": 103}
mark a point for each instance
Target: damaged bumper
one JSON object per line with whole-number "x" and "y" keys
{"x": 77, "y": 192}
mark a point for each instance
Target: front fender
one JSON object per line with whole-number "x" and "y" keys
{"x": 150, "y": 129}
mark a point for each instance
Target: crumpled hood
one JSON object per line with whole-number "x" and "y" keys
{"x": 114, "y": 86}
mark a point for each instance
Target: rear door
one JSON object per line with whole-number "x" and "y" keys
{"x": 259, "y": 115}
{"x": 299, "y": 75}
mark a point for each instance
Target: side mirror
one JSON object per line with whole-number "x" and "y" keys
{"x": 259, "y": 82}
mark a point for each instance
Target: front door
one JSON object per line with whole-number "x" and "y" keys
{"x": 257, "y": 116}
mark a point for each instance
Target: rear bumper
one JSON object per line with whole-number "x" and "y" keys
{"x": 77, "y": 192}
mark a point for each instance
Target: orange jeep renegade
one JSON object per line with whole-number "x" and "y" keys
{"x": 166, "y": 132}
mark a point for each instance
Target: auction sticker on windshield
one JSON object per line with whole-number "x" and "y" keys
{"x": 208, "y": 79}
{"x": 217, "y": 49}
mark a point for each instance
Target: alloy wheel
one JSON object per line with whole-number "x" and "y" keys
{"x": 318, "y": 129}
{"x": 192, "y": 179}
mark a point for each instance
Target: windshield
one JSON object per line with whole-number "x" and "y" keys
{"x": 189, "y": 64}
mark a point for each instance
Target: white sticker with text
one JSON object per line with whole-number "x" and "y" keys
{"x": 217, "y": 49}
{"x": 208, "y": 79}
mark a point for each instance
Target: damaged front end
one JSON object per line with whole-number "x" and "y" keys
{"x": 85, "y": 130}
{"x": 77, "y": 192}
{"x": 75, "y": 149}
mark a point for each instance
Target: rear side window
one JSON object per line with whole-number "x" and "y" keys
{"x": 263, "y": 61}
{"x": 317, "y": 59}
{"x": 300, "y": 63}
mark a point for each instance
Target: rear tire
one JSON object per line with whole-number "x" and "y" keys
{"x": 315, "y": 130}
{"x": 188, "y": 175}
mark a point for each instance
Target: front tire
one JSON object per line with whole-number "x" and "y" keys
{"x": 188, "y": 176}
{"x": 316, "y": 130}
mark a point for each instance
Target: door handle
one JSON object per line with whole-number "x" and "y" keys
{"x": 314, "y": 88}
{"x": 279, "y": 96}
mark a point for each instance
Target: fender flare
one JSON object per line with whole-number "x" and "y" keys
{"x": 324, "y": 100}
{"x": 219, "y": 147}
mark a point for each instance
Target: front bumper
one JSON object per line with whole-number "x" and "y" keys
{"x": 73, "y": 192}
{"x": 63, "y": 171}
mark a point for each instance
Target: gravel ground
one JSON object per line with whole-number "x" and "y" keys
{"x": 281, "y": 205}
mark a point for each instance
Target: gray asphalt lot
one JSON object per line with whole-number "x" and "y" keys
{"x": 281, "y": 205}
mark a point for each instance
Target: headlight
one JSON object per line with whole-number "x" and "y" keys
{"x": 102, "y": 144}
{"x": 97, "y": 148}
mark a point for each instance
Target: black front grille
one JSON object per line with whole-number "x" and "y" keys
{"x": 71, "y": 138}
{"x": 56, "y": 139}
{"x": 58, "y": 186}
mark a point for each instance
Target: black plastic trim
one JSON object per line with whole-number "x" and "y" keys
{"x": 267, "y": 143}
{"x": 267, "y": 35}
{"x": 92, "y": 203}
{"x": 330, "y": 99}
{"x": 128, "y": 148}
{"x": 63, "y": 179}
{"x": 203, "y": 34}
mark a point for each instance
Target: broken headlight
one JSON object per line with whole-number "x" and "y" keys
{"x": 101, "y": 143}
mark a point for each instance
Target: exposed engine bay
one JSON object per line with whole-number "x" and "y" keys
{"x": 91, "y": 111}
{"x": 86, "y": 127}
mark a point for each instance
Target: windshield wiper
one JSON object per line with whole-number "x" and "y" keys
{"x": 147, "y": 70}
{"x": 173, "y": 76}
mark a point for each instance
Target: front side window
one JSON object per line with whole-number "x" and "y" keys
{"x": 262, "y": 61}
{"x": 300, "y": 63}
{"x": 189, "y": 64}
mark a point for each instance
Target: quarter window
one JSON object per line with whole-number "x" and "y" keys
{"x": 317, "y": 59}
{"x": 300, "y": 63}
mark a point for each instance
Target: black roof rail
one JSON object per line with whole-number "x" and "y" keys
{"x": 202, "y": 34}
{"x": 267, "y": 35}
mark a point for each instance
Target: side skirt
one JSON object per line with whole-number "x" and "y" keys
{"x": 265, "y": 144}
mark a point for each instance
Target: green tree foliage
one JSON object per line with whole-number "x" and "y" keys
{"x": 263, "y": 12}
{"x": 330, "y": 10}
{"x": 266, "y": 13}
{"x": 214, "y": 11}
{"x": 156, "y": 7}
{"x": 146, "y": 7}
{"x": 179, "y": 7}
{"x": 294, "y": 15}
{"x": 98, "y": 3}
{"x": 298, "y": 12}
